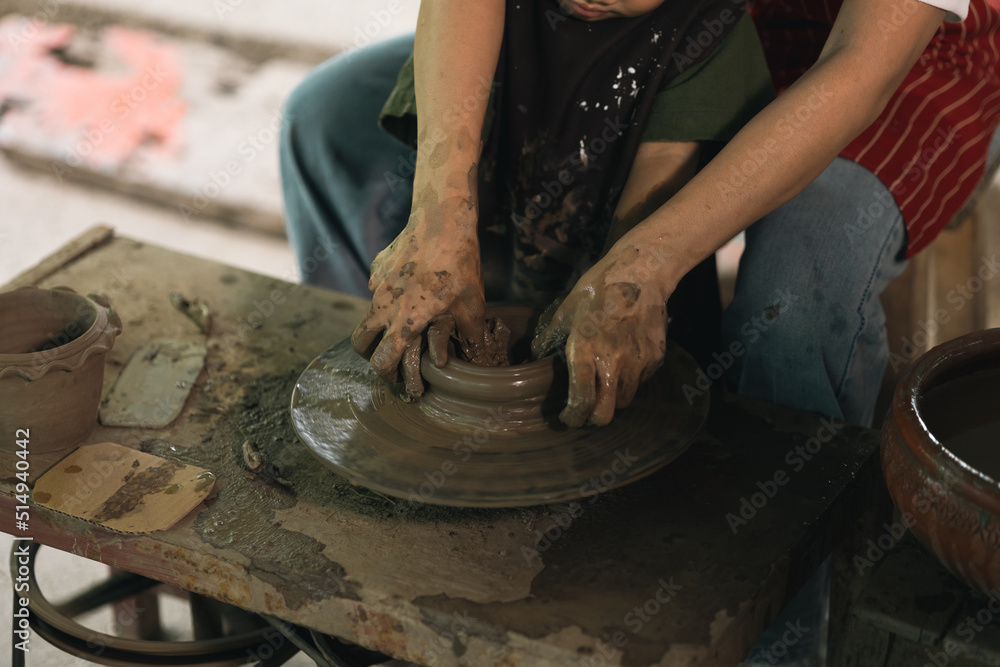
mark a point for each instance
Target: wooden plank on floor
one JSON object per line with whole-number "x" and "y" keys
{"x": 910, "y": 595}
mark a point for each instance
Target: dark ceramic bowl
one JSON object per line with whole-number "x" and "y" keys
{"x": 952, "y": 502}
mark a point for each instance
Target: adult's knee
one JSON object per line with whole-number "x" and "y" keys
{"x": 783, "y": 350}
{"x": 772, "y": 320}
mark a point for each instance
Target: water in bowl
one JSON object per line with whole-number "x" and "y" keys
{"x": 963, "y": 414}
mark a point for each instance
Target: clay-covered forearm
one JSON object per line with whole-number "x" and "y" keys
{"x": 455, "y": 58}
{"x": 788, "y": 144}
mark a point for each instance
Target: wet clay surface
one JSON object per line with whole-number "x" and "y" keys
{"x": 962, "y": 413}
{"x": 495, "y": 350}
{"x": 536, "y": 586}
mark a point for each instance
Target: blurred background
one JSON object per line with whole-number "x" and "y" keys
{"x": 129, "y": 113}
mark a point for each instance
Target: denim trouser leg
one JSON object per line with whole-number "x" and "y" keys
{"x": 807, "y": 307}
{"x": 808, "y": 315}
{"x": 347, "y": 184}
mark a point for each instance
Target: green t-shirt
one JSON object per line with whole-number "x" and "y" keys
{"x": 709, "y": 102}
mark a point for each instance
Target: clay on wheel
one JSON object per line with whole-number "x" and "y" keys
{"x": 491, "y": 443}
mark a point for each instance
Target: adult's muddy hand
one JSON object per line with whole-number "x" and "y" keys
{"x": 428, "y": 279}
{"x": 615, "y": 334}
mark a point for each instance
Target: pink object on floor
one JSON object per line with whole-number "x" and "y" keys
{"x": 89, "y": 116}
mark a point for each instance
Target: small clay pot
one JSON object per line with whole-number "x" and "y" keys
{"x": 529, "y": 394}
{"x": 953, "y": 508}
{"x": 52, "y": 349}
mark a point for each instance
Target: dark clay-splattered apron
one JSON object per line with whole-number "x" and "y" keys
{"x": 572, "y": 101}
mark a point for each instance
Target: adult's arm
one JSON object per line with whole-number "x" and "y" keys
{"x": 430, "y": 274}
{"x": 783, "y": 149}
{"x": 788, "y": 144}
{"x": 634, "y": 337}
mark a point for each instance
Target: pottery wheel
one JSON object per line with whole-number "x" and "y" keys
{"x": 361, "y": 427}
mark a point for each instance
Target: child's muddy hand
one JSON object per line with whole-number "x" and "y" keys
{"x": 421, "y": 280}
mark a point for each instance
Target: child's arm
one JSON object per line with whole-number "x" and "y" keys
{"x": 771, "y": 159}
{"x": 430, "y": 274}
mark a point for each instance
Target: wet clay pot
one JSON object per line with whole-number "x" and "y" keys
{"x": 948, "y": 493}
{"x": 530, "y": 394}
{"x": 52, "y": 349}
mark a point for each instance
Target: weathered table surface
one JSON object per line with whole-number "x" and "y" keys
{"x": 655, "y": 573}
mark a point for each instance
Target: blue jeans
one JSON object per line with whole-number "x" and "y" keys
{"x": 347, "y": 184}
{"x": 829, "y": 252}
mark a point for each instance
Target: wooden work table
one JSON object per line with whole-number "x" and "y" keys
{"x": 444, "y": 586}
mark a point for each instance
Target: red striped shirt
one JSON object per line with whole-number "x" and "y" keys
{"x": 929, "y": 145}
